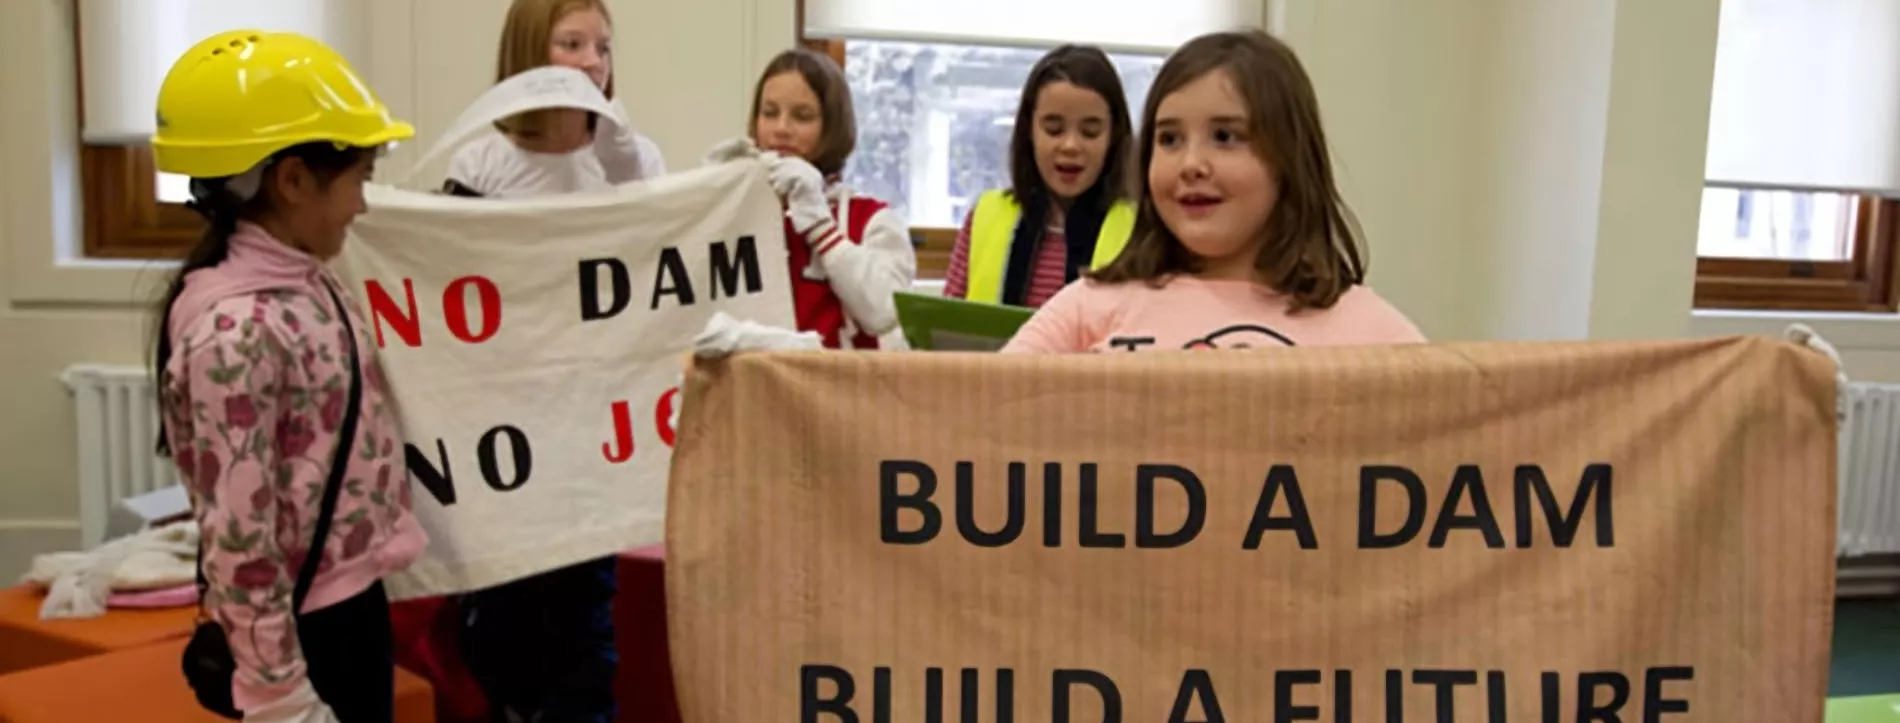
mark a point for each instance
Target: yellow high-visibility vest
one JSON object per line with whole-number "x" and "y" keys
{"x": 993, "y": 227}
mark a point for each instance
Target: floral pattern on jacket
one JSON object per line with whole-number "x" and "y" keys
{"x": 254, "y": 396}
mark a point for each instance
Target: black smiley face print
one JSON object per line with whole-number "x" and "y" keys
{"x": 1240, "y": 336}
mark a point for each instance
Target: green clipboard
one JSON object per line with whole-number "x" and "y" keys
{"x": 937, "y": 323}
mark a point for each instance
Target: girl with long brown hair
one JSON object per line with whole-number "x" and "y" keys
{"x": 1242, "y": 239}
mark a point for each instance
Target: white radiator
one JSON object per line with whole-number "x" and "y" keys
{"x": 117, "y": 415}
{"x": 1869, "y": 486}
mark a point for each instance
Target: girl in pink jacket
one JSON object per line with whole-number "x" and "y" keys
{"x": 264, "y": 370}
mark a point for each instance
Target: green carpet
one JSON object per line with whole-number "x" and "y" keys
{"x": 1864, "y": 677}
{"x": 1866, "y": 659}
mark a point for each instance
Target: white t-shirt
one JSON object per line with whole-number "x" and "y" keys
{"x": 493, "y": 166}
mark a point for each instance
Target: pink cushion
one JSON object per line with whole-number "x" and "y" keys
{"x": 650, "y": 553}
{"x": 170, "y": 597}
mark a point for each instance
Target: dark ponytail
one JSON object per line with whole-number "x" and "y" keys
{"x": 222, "y": 208}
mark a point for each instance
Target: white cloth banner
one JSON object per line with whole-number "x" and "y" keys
{"x": 533, "y": 346}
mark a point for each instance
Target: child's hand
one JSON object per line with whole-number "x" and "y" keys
{"x": 725, "y": 335}
{"x": 803, "y": 188}
{"x": 620, "y": 150}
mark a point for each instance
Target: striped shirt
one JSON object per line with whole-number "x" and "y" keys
{"x": 1052, "y": 259}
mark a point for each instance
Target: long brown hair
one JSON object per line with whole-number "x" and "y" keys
{"x": 1086, "y": 67}
{"x": 525, "y": 40}
{"x": 839, "y": 135}
{"x": 1312, "y": 252}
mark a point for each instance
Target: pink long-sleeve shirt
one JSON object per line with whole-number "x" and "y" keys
{"x": 1191, "y": 313}
{"x": 253, "y": 397}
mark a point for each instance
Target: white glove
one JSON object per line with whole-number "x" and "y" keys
{"x": 725, "y": 335}
{"x": 1804, "y": 335}
{"x": 615, "y": 142}
{"x": 730, "y": 150}
{"x": 803, "y": 189}
{"x": 299, "y": 706}
{"x": 624, "y": 154}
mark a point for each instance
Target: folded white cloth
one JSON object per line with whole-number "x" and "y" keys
{"x": 299, "y": 706}
{"x": 1805, "y": 336}
{"x": 731, "y": 149}
{"x": 79, "y": 584}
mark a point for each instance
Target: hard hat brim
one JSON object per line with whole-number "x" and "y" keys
{"x": 218, "y": 160}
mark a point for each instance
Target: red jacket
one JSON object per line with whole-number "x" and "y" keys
{"x": 863, "y": 257}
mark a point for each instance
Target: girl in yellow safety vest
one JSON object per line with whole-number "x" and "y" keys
{"x": 1068, "y": 208}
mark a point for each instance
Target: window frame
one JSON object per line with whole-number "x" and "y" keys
{"x": 1863, "y": 283}
{"x": 933, "y": 244}
{"x": 122, "y": 214}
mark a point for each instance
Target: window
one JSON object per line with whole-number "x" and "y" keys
{"x": 936, "y": 83}
{"x": 934, "y": 122}
{"x": 126, "y": 215}
{"x": 124, "y": 48}
{"x": 1796, "y": 250}
{"x": 1801, "y": 207}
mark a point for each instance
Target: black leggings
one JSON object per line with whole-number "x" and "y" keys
{"x": 349, "y": 652}
{"x": 543, "y": 646}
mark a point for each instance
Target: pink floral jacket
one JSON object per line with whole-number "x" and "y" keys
{"x": 253, "y": 396}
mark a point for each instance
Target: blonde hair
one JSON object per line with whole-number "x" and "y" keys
{"x": 525, "y": 39}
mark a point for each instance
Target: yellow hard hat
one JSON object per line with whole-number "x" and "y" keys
{"x": 238, "y": 97}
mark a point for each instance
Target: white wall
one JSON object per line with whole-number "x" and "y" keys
{"x": 1522, "y": 169}
{"x": 1399, "y": 84}
{"x": 1662, "y": 69}
{"x": 1539, "y": 166}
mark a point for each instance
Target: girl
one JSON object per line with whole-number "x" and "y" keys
{"x": 270, "y": 392}
{"x": 1068, "y": 206}
{"x": 542, "y": 647}
{"x": 848, "y": 253}
{"x": 554, "y": 150}
{"x": 1242, "y": 240}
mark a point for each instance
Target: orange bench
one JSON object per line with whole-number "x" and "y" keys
{"x": 143, "y": 684}
{"x": 26, "y": 641}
